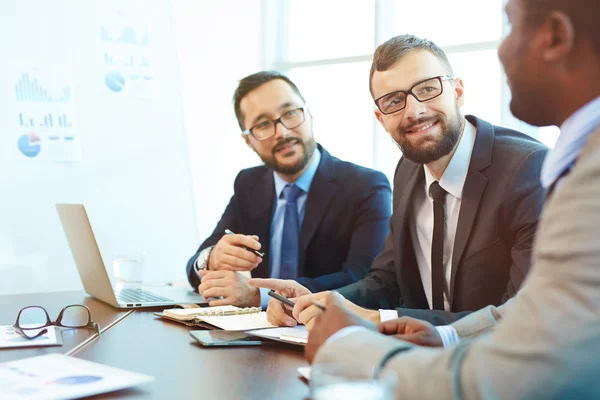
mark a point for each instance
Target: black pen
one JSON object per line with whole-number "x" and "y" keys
{"x": 321, "y": 306}
{"x": 258, "y": 253}
{"x": 281, "y": 298}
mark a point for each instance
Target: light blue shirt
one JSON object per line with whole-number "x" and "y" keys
{"x": 303, "y": 182}
{"x": 574, "y": 134}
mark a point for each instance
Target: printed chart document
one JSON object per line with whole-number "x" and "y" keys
{"x": 10, "y": 338}
{"x": 295, "y": 335}
{"x": 56, "y": 376}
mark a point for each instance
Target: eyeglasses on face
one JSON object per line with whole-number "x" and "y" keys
{"x": 32, "y": 321}
{"x": 424, "y": 90}
{"x": 266, "y": 129}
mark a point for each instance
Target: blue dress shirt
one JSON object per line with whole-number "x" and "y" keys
{"x": 303, "y": 182}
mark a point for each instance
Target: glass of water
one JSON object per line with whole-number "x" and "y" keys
{"x": 128, "y": 268}
{"x": 343, "y": 381}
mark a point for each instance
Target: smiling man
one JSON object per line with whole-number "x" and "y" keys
{"x": 314, "y": 218}
{"x": 466, "y": 200}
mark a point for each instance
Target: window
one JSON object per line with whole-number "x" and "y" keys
{"x": 326, "y": 47}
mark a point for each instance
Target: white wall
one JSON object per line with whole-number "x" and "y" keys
{"x": 218, "y": 43}
{"x": 134, "y": 175}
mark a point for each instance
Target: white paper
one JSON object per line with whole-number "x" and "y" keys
{"x": 10, "y": 338}
{"x": 296, "y": 335}
{"x": 125, "y": 49}
{"x": 242, "y": 322}
{"x": 56, "y": 376}
{"x": 43, "y": 114}
{"x": 304, "y": 372}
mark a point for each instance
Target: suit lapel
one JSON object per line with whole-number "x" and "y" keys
{"x": 322, "y": 191}
{"x": 260, "y": 211}
{"x": 472, "y": 191}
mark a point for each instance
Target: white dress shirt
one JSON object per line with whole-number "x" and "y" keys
{"x": 421, "y": 222}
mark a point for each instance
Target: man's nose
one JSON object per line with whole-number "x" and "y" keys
{"x": 280, "y": 130}
{"x": 414, "y": 108}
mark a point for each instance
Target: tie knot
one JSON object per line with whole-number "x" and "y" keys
{"x": 436, "y": 191}
{"x": 291, "y": 193}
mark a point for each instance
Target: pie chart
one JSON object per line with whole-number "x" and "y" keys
{"x": 115, "y": 81}
{"x": 30, "y": 144}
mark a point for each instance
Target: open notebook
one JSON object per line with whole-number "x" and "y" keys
{"x": 294, "y": 335}
{"x": 229, "y": 318}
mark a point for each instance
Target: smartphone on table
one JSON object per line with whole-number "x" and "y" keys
{"x": 225, "y": 338}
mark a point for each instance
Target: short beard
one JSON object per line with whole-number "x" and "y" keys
{"x": 445, "y": 144}
{"x": 308, "y": 147}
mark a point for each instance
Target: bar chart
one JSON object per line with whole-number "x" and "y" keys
{"x": 29, "y": 89}
{"x": 48, "y": 120}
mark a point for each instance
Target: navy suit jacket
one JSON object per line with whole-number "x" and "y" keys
{"x": 345, "y": 221}
{"x": 501, "y": 203}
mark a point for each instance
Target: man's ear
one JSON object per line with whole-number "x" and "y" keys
{"x": 247, "y": 140}
{"x": 459, "y": 89}
{"x": 379, "y": 117}
{"x": 558, "y": 38}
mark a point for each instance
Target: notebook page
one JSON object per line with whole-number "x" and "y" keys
{"x": 297, "y": 334}
{"x": 240, "y": 322}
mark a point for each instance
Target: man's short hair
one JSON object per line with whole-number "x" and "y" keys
{"x": 253, "y": 81}
{"x": 583, "y": 14}
{"x": 388, "y": 53}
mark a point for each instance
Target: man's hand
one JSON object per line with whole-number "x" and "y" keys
{"x": 305, "y": 311}
{"x": 232, "y": 286}
{"x": 412, "y": 330}
{"x": 229, "y": 253}
{"x": 328, "y": 322}
{"x": 278, "y": 313}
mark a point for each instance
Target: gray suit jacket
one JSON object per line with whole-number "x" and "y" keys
{"x": 547, "y": 344}
{"x": 501, "y": 202}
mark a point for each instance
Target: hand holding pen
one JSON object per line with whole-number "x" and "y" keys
{"x": 235, "y": 252}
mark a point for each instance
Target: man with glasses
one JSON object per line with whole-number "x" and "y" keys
{"x": 467, "y": 197}
{"x": 304, "y": 215}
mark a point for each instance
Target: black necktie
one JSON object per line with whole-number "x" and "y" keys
{"x": 437, "y": 246}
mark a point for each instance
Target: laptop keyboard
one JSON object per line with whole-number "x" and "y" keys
{"x": 139, "y": 296}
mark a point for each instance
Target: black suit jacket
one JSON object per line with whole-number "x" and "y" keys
{"x": 345, "y": 221}
{"x": 502, "y": 199}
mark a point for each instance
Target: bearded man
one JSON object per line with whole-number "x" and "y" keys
{"x": 467, "y": 197}
{"x": 304, "y": 215}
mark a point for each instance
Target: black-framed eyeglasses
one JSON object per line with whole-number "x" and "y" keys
{"x": 32, "y": 321}
{"x": 424, "y": 90}
{"x": 266, "y": 129}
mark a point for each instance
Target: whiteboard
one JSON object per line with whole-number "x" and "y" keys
{"x": 119, "y": 105}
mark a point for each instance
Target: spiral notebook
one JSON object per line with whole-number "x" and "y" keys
{"x": 229, "y": 318}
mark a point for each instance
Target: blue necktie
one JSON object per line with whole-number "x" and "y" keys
{"x": 289, "y": 240}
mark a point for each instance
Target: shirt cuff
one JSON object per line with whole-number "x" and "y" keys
{"x": 449, "y": 335}
{"x": 344, "y": 332}
{"x": 264, "y": 298}
{"x": 386, "y": 315}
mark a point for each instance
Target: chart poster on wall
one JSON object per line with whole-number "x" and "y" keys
{"x": 125, "y": 51}
{"x": 44, "y": 118}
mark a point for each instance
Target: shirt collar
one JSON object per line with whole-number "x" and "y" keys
{"x": 304, "y": 181}
{"x": 573, "y": 136}
{"x": 453, "y": 179}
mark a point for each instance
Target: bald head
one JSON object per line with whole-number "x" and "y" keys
{"x": 583, "y": 14}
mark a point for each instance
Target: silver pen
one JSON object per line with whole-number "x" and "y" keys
{"x": 258, "y": 253}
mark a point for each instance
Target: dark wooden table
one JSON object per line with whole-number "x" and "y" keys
{"x": 143, "y": 343}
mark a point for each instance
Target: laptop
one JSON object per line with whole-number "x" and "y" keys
{"x": 92, "y": 270}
